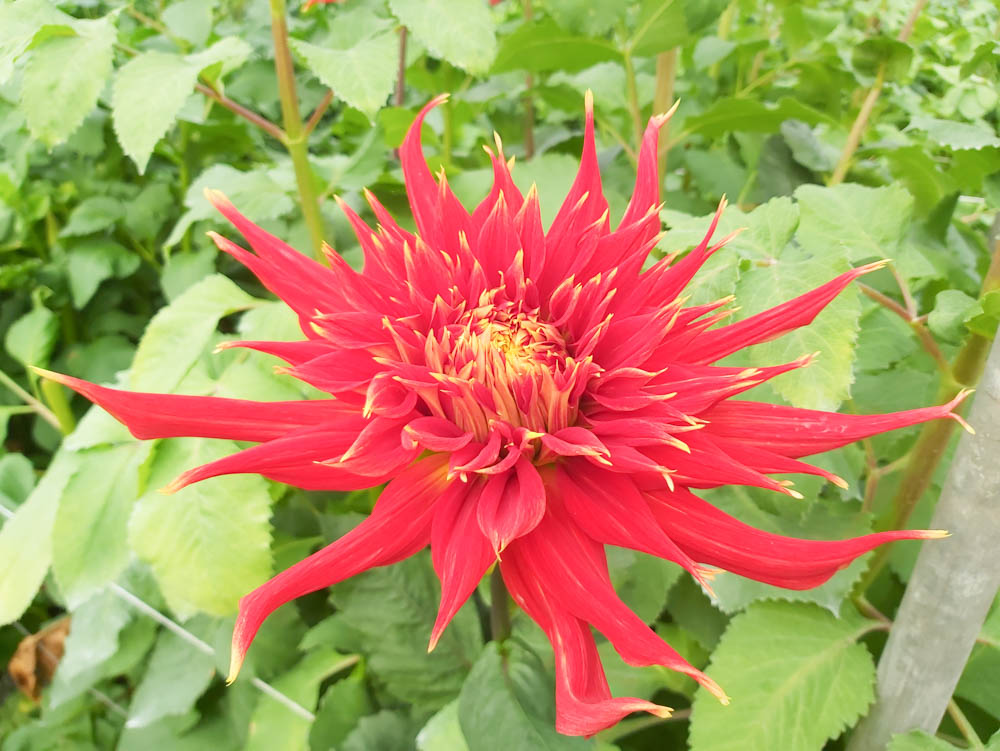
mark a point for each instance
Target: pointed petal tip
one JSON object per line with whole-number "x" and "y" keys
{"x": 236, "y": 657}
{"x": 932, "y": 534}
{"x": 49, "y": 374}
{"x": 588, "y": 102}
{"x": 839, "y": 481}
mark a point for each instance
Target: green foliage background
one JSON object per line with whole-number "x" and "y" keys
{"x": 115, "y": 117}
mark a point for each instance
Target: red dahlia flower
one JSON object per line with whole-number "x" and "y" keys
{"x": 529, "y": 397}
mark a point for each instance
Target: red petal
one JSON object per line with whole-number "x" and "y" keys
{"x": 577, "y": 581}
{"x": 398, "y": 527}
{"x": 611, "y": 510}
{"x": 459, "y": 551}
{"x": 716, "y": 538}
{"x": 168, "y": 415}
{"x": 437, "y": 434}
{"x": 584, "y": 704}
{"x": 512, "y": 504}
{"x": 798, "y": 432}
{"x": 763, "y": 327}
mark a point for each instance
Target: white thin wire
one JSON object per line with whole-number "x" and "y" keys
{"x": 202, "y": 646}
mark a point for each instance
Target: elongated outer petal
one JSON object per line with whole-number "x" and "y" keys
{"x": 398, "y": 527}
{"x": 577, "y": 580}
{"x": 609, "y": 508}
{"x": 584, "y": 704}
{"x": 714, "y": 537}
{"x": 167, "y": 415}
{"x": 798, "y": 432}
{"x": 770, "y": 324}
{"x": 294, "y": 459}
{"x": 459, "y": 550}
{"x": 512, "y": 505}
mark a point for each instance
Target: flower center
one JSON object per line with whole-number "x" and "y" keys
{"x": 500, "y": 363}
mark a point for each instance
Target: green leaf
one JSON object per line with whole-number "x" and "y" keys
{"x": 541, "y": 46}
{"x": 26, "y": 539}
{"x": 91, "y": 525}
{"x": 642, "y": 581}
{"x": 661, "y": 25}
{"x": 868, "y": 56}
{"x": 385, "y": 731}
{"x": 93, "y": 640}
{"x": 796, "y": 676}
{"x": 443, "y": 731}
{"x": 807, "y": 148}
{"x": 32, "y": 337}
{"x": 985, "y": 318}
{"x": 208, "y": 544}
{"x": 508, "y": 702}
{"x": 853, "y": 221}
{"x": 363, "y": 75}
{"x": 93, "y": 262}
{"x": 17, "y": 479}
{"x": 751, "y": 116}
{"x": 256, "y": 194}
{"x": 191, "y": 20}
{"x": 951, "y": 309}
{"x": 64, "y": 77}
{"x": 342, "y": 705}
{"x": 459, "y": 31}
{"x": 825, "y": 383}
{"x": 176, "y": 676}
{"x": 274, "y": 726}
{"x": 19, "y": 22}
{"x": 141, "y": 119}
{"x": 918, "y": 740}
{"x": 393, "y": 608}
{"x": 954, "y": 134}
{"x": 93, "y": 215}
{"x": 178, "y": 333}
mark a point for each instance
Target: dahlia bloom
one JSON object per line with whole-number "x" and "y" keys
{"x": 529, "y": 396}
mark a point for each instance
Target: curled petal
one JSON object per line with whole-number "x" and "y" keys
{"x": 398, "y": 527}
{"x": 584, "y": 704}
{"x": 512, "y": 504}
{"x": 577, "y": 581}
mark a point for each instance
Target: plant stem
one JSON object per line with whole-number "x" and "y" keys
{"x": 317, "y": 113}
{"x": 663, "y": 97}
{"x": 632, "y": 94}
{"x": 238, "y": 109}
{"x": 295, "y": 134}
{"x": 55, "y": 395}
{"x": 964, "y": 726}
{"x": 400, "y": 99}
{"x": 36, "y": 406}
{"x": 528, "y": 101}
{"x": 926, "y": 338}
{"x": 861, "y": 121}
{"x": 499, "y": 607}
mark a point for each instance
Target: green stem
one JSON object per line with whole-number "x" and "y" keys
{"x": 36, "y": 406}
{"x": 663, "y": 97}
{"x": 632, "y": 94}
{"x": 964, "y": 726}
{"x": 295, "y": 135}
{"x": 55, "y": 395}
{"x": 499, "y": 607}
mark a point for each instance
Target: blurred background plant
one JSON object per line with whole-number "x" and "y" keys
{"x": 842, "y": 132}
